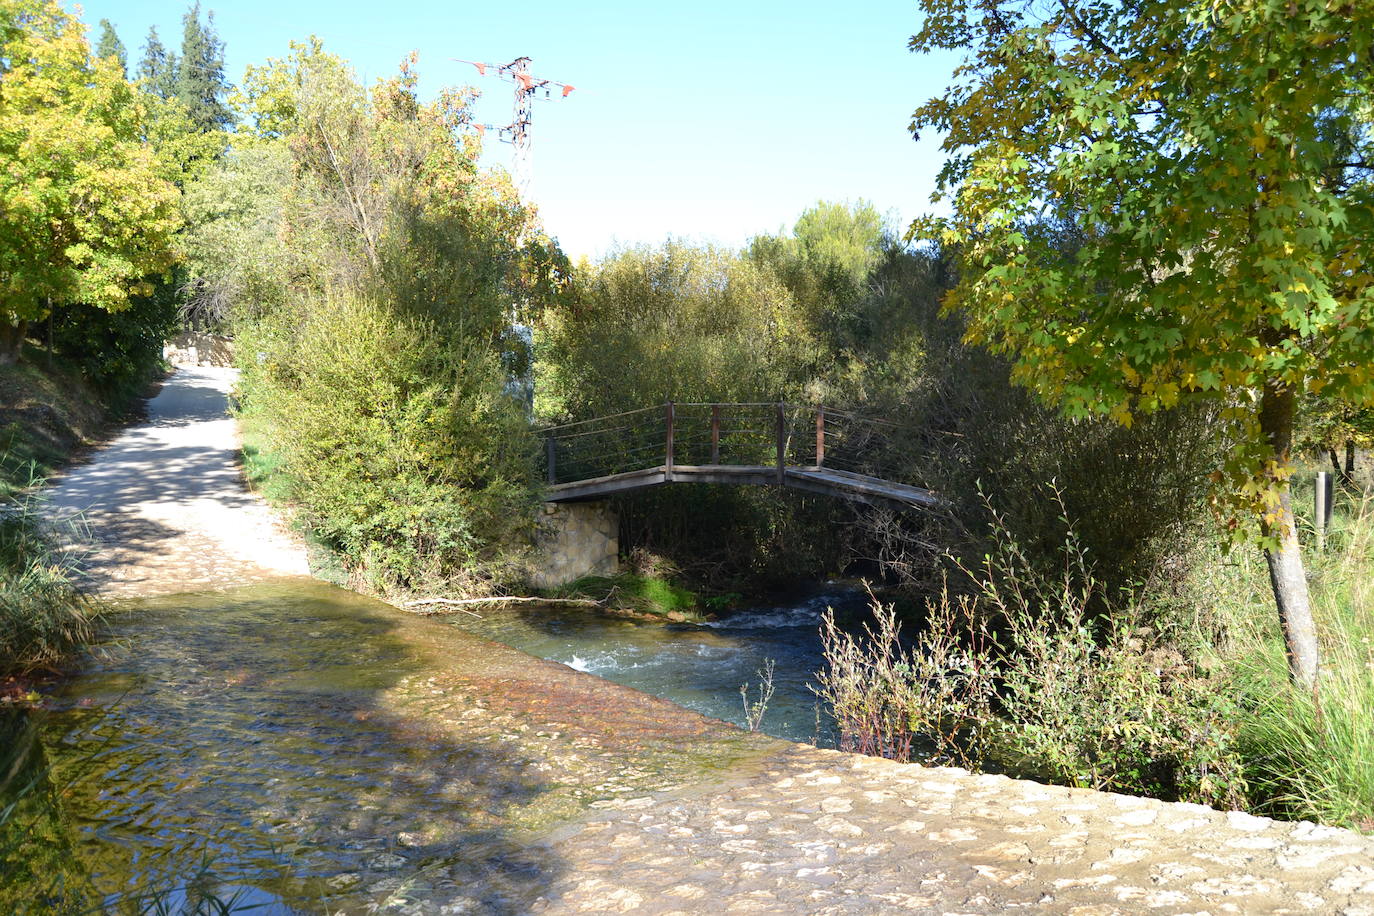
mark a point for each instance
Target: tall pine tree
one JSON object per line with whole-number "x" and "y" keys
{"x": 201, "y": 86}
{"x": 158, "y": 68}
{"x": 111, "y": 46}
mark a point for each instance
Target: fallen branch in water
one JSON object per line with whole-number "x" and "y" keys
{"x": 461, "y": 604}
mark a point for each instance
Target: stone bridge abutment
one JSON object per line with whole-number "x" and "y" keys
{"x": 576, "y": 539}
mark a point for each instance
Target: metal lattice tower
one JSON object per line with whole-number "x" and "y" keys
{"x": 518, "y": 133}
{"x": 522, "y": 162}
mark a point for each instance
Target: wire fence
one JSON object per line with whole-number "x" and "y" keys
{"x": 735, "y": 434}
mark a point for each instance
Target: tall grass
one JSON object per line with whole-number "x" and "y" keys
{"x": 44, "y": 617}
{"x": 931, "y": 700}
{"x": 1039, "y": 677}
{"x": 1310, "y": 754}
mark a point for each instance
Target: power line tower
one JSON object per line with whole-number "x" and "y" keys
{"x": 518, "y": 133}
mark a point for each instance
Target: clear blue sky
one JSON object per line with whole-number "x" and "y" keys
{"x": 710, "y": 120}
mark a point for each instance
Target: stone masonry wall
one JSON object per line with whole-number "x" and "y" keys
{"x": 575, "y": 540}
{"x": 196, "y": 349}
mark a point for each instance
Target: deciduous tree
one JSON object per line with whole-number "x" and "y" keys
{"x": 1211, "y": 164}
{"x": 85, "y": 215}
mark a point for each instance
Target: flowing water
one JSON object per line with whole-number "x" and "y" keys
{"x": 700, "y": 666}
{"x": 300, "y": 748}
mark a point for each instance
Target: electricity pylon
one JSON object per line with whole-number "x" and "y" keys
{"x": 518, "y": 133}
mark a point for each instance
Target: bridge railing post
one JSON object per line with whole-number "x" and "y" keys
{"x": 668, "y": 444}
{"x": 551, "y": 452}
{"x": 820, "y": 435}
{"x": 715, "y": 434}
{"x": 782, "y": 442}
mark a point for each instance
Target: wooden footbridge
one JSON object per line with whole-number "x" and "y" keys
{"x": 816, "y": 449}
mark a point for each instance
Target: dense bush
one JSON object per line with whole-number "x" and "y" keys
{"x": 118, "y": 352}
{"x": 375, "y": 279}
{"x": 1136, "y": 496}
{"x": 403, "y": 450}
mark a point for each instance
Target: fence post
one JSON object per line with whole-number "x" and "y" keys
{"x": 1322, "y": 514}
{"x": 782, "y": 442}
{"x": 1330, "y": 497}
{"x": 715, "y": 434}
{"x": 820, "y": 435}
{"x": 550, "y": 450}
{"x": 668, "y": 449}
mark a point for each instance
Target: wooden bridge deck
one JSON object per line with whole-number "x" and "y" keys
{"x": 828, "y": 481}
{"x": 851, "y": 456}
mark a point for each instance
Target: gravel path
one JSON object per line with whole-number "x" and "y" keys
{"x": 164, "y": 508}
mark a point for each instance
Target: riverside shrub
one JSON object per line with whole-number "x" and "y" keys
{"x": 1030, "y": 680}
{"x": 378, "y": 280}
{"x": 403, "y": 450}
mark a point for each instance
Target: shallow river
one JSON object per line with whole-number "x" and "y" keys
{"x": 701, "y": 667}
{"x": 279, "y": 744}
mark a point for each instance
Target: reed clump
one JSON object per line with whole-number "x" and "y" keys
{"x": 44, "y": 616}
{"x": 1042, "y": 677}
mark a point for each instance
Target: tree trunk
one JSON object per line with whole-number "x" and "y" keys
{"x": 1285, "y": 560}
{"x": 11, "y": 341}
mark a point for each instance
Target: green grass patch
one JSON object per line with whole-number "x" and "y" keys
{"x": 637, "y": 593}
{"x": 262, "y": 465}
{"x": 1310, "y": 754}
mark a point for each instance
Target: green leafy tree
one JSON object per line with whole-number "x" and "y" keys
{"x": 200, "y": 84}
{"x": 85, "y": 215}
{"x": 1169, "y": 200}
{"x": 159, "y": 67}
{"x": 370, "y": 268}
{"x": 825, "y": 263}
{"x": 232, "y": 245}
{"x": 675, "y": 322}
{"x": 844, "y": 237}
{"x": 110, "y": 46}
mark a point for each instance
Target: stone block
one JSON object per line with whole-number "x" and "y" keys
{"x": 576, "y": 540}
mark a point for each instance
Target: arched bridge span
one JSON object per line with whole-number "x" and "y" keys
{"x": 813, "y": 448}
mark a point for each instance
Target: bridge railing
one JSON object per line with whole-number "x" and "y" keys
{"x": 756, "y": 434}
